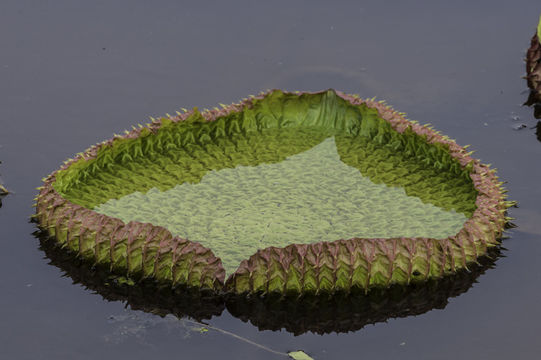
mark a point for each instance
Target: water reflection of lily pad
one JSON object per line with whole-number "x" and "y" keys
{"x": 353, "y": 311}
{"x": 338, "y": 313}
{"x": 145, "y": 295}
{"x": 311, "y": 193}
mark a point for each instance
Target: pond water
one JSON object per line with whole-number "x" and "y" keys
{"x": 73, "y": 73}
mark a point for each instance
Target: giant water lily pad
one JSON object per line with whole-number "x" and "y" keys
{"x": 284, "y": 192}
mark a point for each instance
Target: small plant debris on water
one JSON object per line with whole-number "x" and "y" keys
{"x": 299, "y": 355}
{"x": 136, "y": 326}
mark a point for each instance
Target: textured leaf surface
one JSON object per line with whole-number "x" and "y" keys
{"x": 307, "y": 198}
{"x": 533, "y": 67}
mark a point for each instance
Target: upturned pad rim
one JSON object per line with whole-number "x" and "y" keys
{"x": 340, "y": 265}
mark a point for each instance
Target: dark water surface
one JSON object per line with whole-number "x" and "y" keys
{"x": 72, "y": 73}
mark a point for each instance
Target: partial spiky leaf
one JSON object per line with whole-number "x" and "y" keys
{"x": 533, "y": 67}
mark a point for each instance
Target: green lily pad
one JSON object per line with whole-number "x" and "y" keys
{"x": 284, "y": 192}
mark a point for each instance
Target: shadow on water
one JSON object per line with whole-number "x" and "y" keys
{"x": 317, "y": 314}
{"x": 350, "y": 312}
{"x": 531, "y": 102}
{"x": 146, "y": 295}
{"x": 3, "y": 193}
{"x": 536, "y": 112}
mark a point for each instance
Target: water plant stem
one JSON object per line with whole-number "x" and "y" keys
{"x": 238, "y": 337}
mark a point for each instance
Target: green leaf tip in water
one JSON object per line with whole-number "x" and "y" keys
{"x": 299, "y": 355}
{"x": 122, "y": 280}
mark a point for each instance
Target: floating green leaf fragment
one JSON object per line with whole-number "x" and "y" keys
{"x": 299, "y": 355}
{"x": 121, "y": 280}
